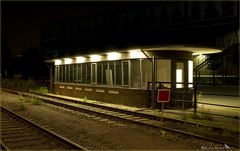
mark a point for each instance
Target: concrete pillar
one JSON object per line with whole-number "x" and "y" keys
{"x": 51, "y": 79}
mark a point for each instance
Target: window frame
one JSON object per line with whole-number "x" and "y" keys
{"x": 94, "y": 81}
{"x": 56, "y": 74}
{"x": 129, "y": 73}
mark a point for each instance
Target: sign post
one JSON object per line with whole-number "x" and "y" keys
{"x": 162, "y": 97}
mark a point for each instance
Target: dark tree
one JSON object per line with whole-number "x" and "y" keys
{"x": 5, "y": 56}
{"x": 33, "y": 64}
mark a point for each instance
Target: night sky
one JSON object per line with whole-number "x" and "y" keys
{"x": 21, "y": 20}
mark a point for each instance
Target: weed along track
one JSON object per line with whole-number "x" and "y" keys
{"x": 18, "y": 133}
{"x": 190, "y": 130}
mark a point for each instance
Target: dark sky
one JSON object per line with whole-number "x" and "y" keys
{"x": 21, "y": 20}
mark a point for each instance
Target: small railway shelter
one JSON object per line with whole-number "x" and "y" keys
{"x": 123, "y": 76}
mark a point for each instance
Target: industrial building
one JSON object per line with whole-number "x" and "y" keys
{"x": 115, "y": 57}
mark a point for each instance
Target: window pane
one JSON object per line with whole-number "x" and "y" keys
{"x": 99, "y": 73}
{"x": 88, "y": 73}
{"x": 71, "y": 73}
{"x": 111, "y": 73}
{"x": 75, "y": 73}
{"x": 80, "y": 73}
{"x": 118, "y": 73}
{"x": 93, "y": 73}
{"x": 190, "y": 73}
{"x": 84, "y": 73}
{"x": 146, "y": 72}
{"x": 56, "y": 74}
{"x": 105, "y": 70}
{"x": 125, "y": 72}
{"x": 179, "y": 74}
{"x": 164, "y": 71}
{"x": 62, "y": 77}
{"x": 67, "y": 73}
{"x": 135, "y": 73}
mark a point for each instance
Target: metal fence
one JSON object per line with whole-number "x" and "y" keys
{"x": 203, "y": 98}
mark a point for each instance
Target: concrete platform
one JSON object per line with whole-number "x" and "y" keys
{"x": 188, "y": 115}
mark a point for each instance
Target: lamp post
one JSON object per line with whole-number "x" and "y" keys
{"x": 153, "y": 98}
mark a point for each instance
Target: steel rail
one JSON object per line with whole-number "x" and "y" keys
{"x": 62, "y": 139}
{"x": 46, "y": 99}
{"x": 4, "y": 147}
{"x": 126, "y": 111}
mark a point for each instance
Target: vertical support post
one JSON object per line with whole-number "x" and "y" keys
{"x": 51, "y": 78}
{"x": 153, "y": 99}
{"x": 162, "y": 111}
{"x": 195, "y": 98}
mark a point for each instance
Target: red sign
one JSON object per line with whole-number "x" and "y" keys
{"x": 163, "y": 95}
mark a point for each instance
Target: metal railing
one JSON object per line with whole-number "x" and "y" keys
{"x": 194, "y": 99}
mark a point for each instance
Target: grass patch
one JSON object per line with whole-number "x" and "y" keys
{"x": 22, "y": 107}
{"x": 21, "y": 98}
{"x": 19, "y": 84}
{"x": 35, "y": 101}
{"x": 194, "y": 116}
{"x": 28, "y": 99}
{"x": 42, "y": 90}
{"x": 85, "y": 99}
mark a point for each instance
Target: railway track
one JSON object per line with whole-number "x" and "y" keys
{"x": 18, "y": 133}
{"x": 191, "y": 129}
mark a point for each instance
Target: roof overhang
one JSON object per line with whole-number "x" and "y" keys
{"x": 195, "y": 50}
{"x": 135, "y": 53}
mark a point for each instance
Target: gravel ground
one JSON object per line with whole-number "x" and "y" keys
{"x": 94, "y": 132}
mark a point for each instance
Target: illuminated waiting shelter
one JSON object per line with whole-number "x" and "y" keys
{"x": 122, "y": 76}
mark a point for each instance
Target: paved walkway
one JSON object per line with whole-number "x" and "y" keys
{"x": 218, "y": 121}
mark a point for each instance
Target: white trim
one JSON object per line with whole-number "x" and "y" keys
{"x": 88, "y": 89}
{"x": 79, "y": 89}
{"x": 100, "y": 90}
{"x": 113, "y": 92}
{"x": 69, "y": 87}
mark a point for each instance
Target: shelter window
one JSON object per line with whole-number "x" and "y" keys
{"x": 99, "y": 73}
{"x": 118, "y": 73}
{"x": 135, "y": 73}
{"x": 84, "y": 73}
{"x": 88, "y": 73}
{"x": 190, "y": 73}
{"x": 93, "y": 73}
{"x": 79, "y": 73}
{"x": 179, "y": 75}
{"x": 105, "y": 70}
{"x": 66, "y": 73}
{"x": 146, "y": 72}
{"x": 71, "y": 73}
{"x": 57, "y": 74}
{"x": 125, "y": 73}
{"x": 62, "y": 73}
{"x": 111, "y": 73}
{"x": 75, "y": 73}
{"x": 164, "y": 71}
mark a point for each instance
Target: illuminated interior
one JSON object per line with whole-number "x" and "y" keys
{"x": 80, "y": 59}
{"x": 57, "y": 62}
{"x": 179, "y": 74}
{"x": 129, "y": 68}
{"x": 179, "y": 78}
{"x": 136, "y": 54}
{"x": 95, "y": 58}
{"x": 67, "y": 61}
{"x": 113, "y": 56}
{"x": 190, "y": 73}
